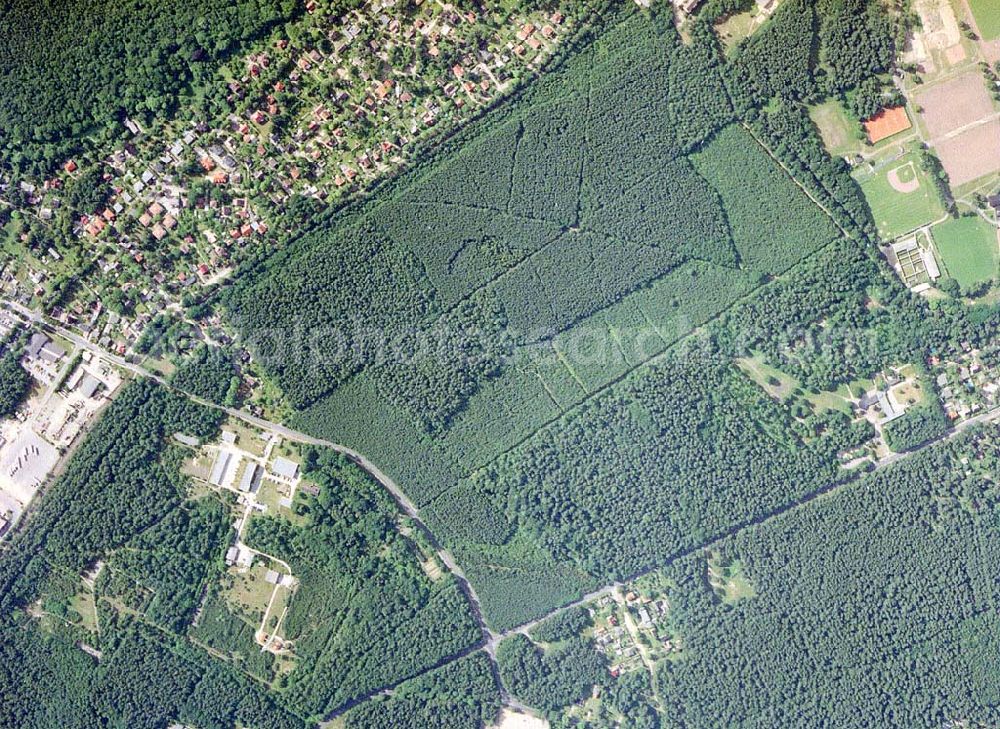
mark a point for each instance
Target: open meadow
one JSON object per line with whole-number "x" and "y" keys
{"x": 840, "y": 133}
{"x": 987, "y": 16}
{"x": 969, "y": 249}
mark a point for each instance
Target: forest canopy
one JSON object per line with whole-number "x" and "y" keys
{"x": 101, "y": 60}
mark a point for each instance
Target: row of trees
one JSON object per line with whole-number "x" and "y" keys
{"x": 15, "y": 382}
{"x": 790, "y": 134}
{"x": 774, "y": 224}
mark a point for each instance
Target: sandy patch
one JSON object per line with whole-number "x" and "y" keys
{"x": 911, "y": 184}
{"x": 955, "y": 103}
{"x": 955, "y": 54}
{"x": 939, "y": 26}
{"x": 971, "y": 154}
{"x": 510, "y": 719}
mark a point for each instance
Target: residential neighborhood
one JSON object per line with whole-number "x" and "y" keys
{"x": 180, "y": 205}
{"x": 500, "y": 364}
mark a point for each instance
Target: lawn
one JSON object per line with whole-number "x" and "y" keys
{"x": 825, "y": 400}
{"x": 968, "y": 249}
{"x": 249, "y": 593}
{"x": 987, "y": 15}
{"x": 734, "y": 29}
{"x": 900, "y": 195}
{"x": 838, "y": 131}
{"x": 777, "y": 384}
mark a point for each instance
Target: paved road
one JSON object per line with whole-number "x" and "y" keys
{"x": 491, "y": 639}
{"x": 399, "y": 496}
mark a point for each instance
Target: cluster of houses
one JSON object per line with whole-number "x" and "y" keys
{"x": 970, "y": 382}
{"x": 157, "y": 205}
{"x": 383, "y": 78}
{"x": 321, "y": 118}
{"x": 616, "y": 642}
{"x": 648, "y": 612}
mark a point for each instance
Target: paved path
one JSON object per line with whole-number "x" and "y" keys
{"x": 402, "y": 500}
{"x": 491, "y": 639}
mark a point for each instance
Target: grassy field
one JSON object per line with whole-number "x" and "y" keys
{"x": 782, "y": 386}
{"x": 987, "y": 15}
{"x": 899, "y": 212}
{"x": 777, "y": 384}
{"x": 825, "y": 400}
{"x": 968, "y": 249}
{"x": 838, "y": 131}
{"x": 735, "y": 29}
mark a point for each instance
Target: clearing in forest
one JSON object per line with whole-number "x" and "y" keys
{"x": 837, "y": 129}
{"x": 777, "y": 384}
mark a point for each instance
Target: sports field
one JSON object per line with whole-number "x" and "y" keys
{"x": 987, "y": 15}
{"x": 900, "y": 196}
{"x": 887, "y": 123}
{"x": 968, "y": 248}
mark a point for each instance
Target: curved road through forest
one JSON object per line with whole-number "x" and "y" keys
{"x": 491, "y": 639}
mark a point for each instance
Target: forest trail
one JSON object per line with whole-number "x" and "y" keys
{"x": 490, "y": 638}
{"x": 403, "y": 502}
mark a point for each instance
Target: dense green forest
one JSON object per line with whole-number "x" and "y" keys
{"x": 123, "y": 481}
{"x": 507, "y": 330}
{"x": 920, "y": 424}
{"x": 461, "y": 695}
{"x": 209, "y": 373}
{"x": 77, "y": 69}
{"x": 562, "y": 626}
{"x": 364, "y": 615}
{"x": 551, "y": 679}
{"x": 15, "y": 382}
{"x": 874, "y": 607}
